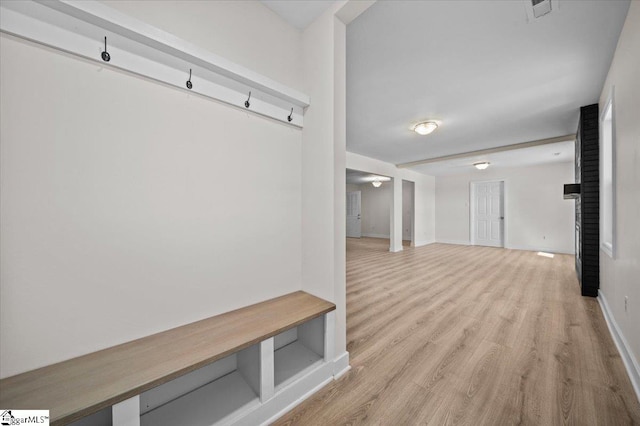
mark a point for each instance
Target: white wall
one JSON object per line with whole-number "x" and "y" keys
{"x": 620, "y": 277}
{"x": 129, "y": 207}
{"x": 240, "y": 31}
{"x": 323, "y": 168}
{"x": 424, "y": 202}
{"x": 536, "y": 215}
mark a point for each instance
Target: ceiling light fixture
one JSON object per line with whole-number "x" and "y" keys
{"x": 481, "y": 165}
{"x": 376, "y": 183}
{"x": 425, "y": 127}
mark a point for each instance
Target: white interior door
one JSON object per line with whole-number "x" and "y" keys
{"x": 354, "y": 227}
{"x": 407, "y": 210}
{"x": 488, "y": 214}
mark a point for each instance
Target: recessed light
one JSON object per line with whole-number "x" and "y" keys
{"x": 425, "y": 127}
{"x": 481, "y": 165}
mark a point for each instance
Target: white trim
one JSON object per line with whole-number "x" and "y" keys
{"x": 608, "y": 246}
{"x": 424, "y": 243}
{"x": 629, "y": 361}
{"x": 290, "y": 393}
{"x": 376, "y": 236}
{"x": 544, "y": 249}
{"x": 341, "y": 365}
{"x": 456, "y": 242}
{"x": 79, "y": 28}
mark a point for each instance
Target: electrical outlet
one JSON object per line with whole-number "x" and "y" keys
{"x": 626, "y": 303}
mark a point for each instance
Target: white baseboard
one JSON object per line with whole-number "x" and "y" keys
{"x": 290, "y": 397}
{"x": 341, "y": 365}
{"x": 376, "y": 236}
{"x": 544, "y": 249}
{"x": 512, "y": 247}
{"x": 458, "y": 242}
{"x": 630, "y": 362}
{"x": 423, "y": 243}
{"x": 295, "y": 393}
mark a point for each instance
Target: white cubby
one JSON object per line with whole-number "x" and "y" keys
{"x": 235, "y": 386}
{"x": 215, "y": 394}
{"x": 298, "y": 351}
{"x": 243, "y": 389}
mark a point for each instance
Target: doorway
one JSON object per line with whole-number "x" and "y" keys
{"x": 354, "y": 222}
{"x": 368, "y": 205}
{"x": 487, "y": 213}
{"x": 408, "y": 213}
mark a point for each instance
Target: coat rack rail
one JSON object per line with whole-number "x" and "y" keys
{"x": 80, "y": 28}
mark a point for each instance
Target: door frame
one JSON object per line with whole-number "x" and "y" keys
{"x": 472, "y": 202}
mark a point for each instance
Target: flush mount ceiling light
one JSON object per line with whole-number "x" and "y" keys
{"x": 425, "y": 127}
{"x": 376, "y": 183}
{"x": 481, "y": 165}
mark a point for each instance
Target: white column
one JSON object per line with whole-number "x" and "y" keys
{"x": 396, "y": 216}
{"x": 127, "y": 412}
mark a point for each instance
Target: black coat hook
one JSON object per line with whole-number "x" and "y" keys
{"x": 105, "y": 55}
{"x": 189, "y": 84}
{"x": 246, "y": 103}
{"x": 290, "y": 117}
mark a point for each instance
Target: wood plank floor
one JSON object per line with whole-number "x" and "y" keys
{"x": 447, "y": 334}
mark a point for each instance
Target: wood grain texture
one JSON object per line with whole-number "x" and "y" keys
{"x": 81, "y": 386}
{"x": 447, "y": 334}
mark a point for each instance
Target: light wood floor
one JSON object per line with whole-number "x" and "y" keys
{"x": 447, "y": 334}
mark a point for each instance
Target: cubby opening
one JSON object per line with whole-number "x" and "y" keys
{"x": 297, "y": 351}
{"x": 217, "y": 394}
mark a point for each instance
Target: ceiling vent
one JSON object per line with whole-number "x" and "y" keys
{"x": 538, "y": 8}
{"x": 541, "y": 7}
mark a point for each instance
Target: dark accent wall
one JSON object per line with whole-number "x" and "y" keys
{"x": 588, "y": 204}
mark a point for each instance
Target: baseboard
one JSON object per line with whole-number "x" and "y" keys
{"x": 341, "y": 365}
{"x": 544, "y": 249}
{"x": 291, "y": 397}
{"x": 294, "y": 394}
{"x": 376, "y": 236}
{"x": 630, "y": 363}
{"x": 457, "y": 242}
{"x": 424, "y": 243}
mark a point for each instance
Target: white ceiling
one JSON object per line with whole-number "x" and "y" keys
{"x": 299, "y": 13}
{"x": 357, "y": 177}
{"x": 480, "y": 68}
{"x": 551, "y": 153}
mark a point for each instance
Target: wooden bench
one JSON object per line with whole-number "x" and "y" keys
{"x": 125, "y": 379}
